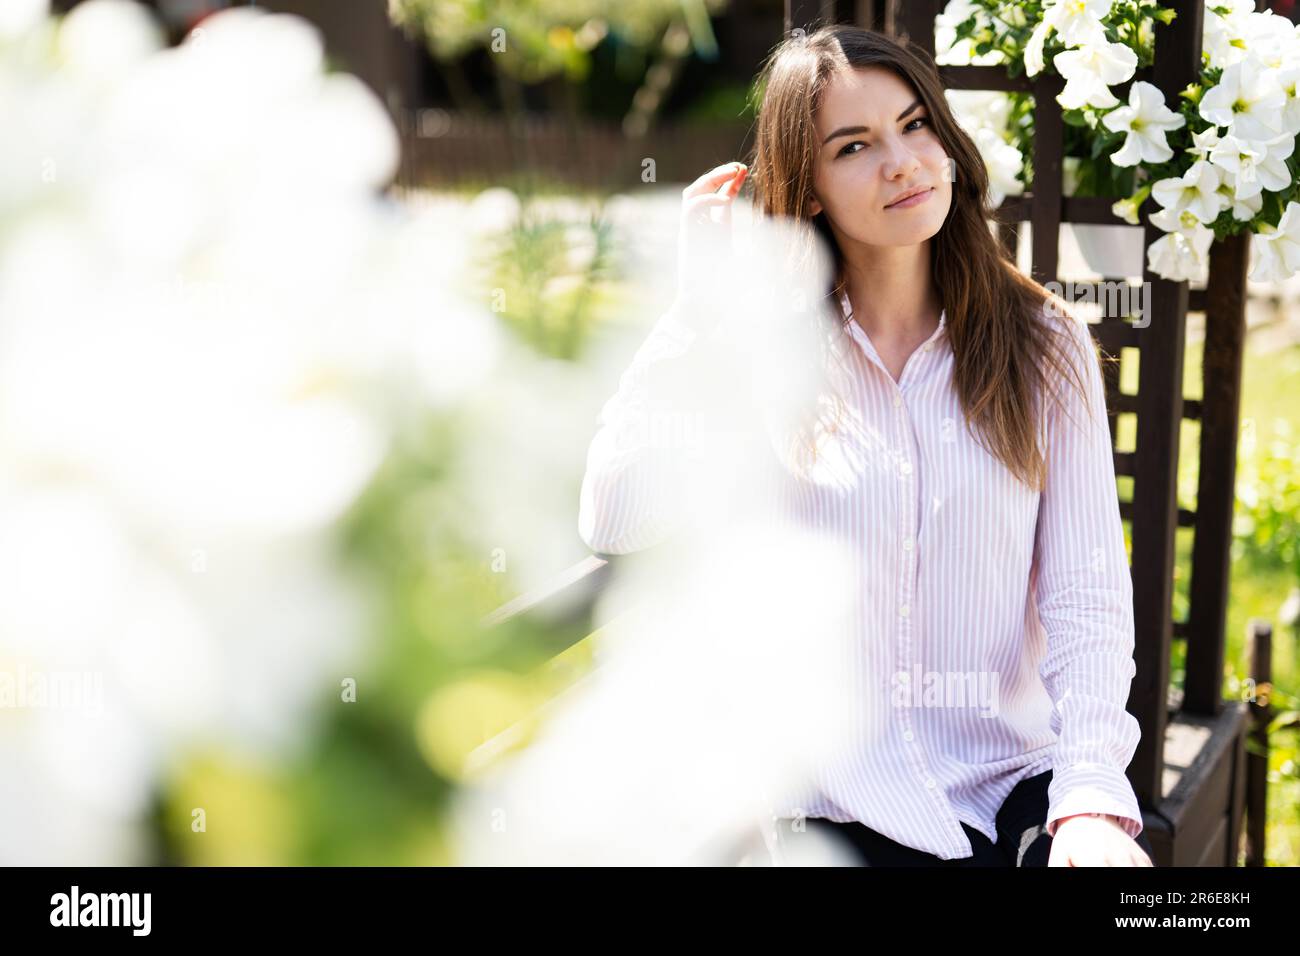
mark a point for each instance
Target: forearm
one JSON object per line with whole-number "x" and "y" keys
{"x": 649, "y": 439}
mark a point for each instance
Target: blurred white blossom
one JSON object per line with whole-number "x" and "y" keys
{"x": 205, "y": 308}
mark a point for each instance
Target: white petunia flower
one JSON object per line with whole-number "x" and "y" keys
{"x": 1147, "y": 121}
{"x": 1223, "y": 37}
{"x": 948, "y": 49}
{"x": 1197, "y": 190}
{"x": 1090, "y": 71}
{"x": 983, "y": 115}
{"x": 1004, "y": 163}
{"x": 1078, "y": 22}
{"x": 976, "y": 109}
{"x": 1255, "y": 165}
{"x": 1288, "y": 77}
{"x": 1270, "y": 38}
{"x": 1203, "y": 142}
{"x": 1183, "y": 253}
{"x": 1275, "y": 251}
{"x": 1013, "y": 14}
{"x": 1127, "y": 209}
{"x": 1248, "y": 99}
{"x": 1034, "y": 48}
{"x": 1244, "y": 208}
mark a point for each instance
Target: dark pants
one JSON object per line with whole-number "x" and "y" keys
{"x": 1021, "y": 829}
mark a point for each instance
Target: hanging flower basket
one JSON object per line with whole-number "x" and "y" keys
{"x": 1113, "y": 252}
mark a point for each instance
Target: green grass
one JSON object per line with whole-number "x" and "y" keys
{"x": 1271, "y": 390}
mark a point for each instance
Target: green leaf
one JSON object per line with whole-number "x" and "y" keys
{"x": 1285, "y": 719}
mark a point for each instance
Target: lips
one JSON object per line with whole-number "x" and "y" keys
{"x": 909, "y": 194}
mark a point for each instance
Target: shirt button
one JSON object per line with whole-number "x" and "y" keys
{"x": 908, "y": 735}
{"x": 929, "y": 784}
{"x": 907, "y": 544}
{"x": 905, "y": 467}
{"x": 905, "y": 610}
{"x": 927, "y": 348}
{"x": 898, "y": 400}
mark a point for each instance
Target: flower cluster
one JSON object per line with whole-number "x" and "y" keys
{"x": 1221, "y": 163}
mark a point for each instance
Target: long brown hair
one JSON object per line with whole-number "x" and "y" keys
{"x": 1007, "y": 354}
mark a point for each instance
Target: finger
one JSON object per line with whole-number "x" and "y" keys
{"x": 707, "y": 199}
{"x": 734, "y": 186}
{"x": 711, "y": 180}
{"x": 698, "y": 208}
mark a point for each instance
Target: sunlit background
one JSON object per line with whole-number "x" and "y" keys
{"x": 305, "y": 320}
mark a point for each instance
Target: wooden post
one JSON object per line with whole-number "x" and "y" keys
{"x": 1221, "y": 362}
{"x": 1259, "y": 639}
{"x": 915, "y": 21}
{"x": 1045, "y": 197}
{"x": 1159, "y": 417}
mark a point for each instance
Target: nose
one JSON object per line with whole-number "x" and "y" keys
{"x": 900, "y": 161}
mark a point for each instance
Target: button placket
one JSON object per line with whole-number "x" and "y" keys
{"x": 909, "y": 497}
{"x": 907, "y": 502}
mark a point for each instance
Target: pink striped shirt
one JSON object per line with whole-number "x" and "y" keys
{"x": 1020, "y": 601}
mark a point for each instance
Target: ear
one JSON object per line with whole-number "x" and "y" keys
{"x": 815, "y": 207}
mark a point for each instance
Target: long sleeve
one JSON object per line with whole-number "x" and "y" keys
{"x": 633, "y": 491}
{"x": 1084, "y": 595}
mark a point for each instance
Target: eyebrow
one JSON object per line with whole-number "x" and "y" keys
{"x": 855, "y": 130}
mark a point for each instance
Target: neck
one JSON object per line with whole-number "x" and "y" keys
{"x": 892, "y": 292}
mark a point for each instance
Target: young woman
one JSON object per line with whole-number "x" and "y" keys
{"x": 982, "y": 504}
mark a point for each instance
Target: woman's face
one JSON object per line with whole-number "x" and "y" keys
{"x": 876, "y": 142}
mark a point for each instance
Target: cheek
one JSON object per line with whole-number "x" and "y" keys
{"x": 945, "y": 168}
{"x": 841, "y": 186}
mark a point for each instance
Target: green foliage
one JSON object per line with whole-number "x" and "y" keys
{"x": 1267, "y": 529}
{"x": 729, "y": 103}
{"x": 533, "y": 40}
{"x": 550, "y": 272}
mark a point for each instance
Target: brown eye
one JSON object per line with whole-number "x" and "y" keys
{"x": 923, "y": 120}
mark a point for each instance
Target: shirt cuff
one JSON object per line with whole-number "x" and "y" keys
{"x": 1092, "y": 788}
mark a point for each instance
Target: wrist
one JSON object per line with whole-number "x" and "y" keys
{"x": 1105, "y": 816}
